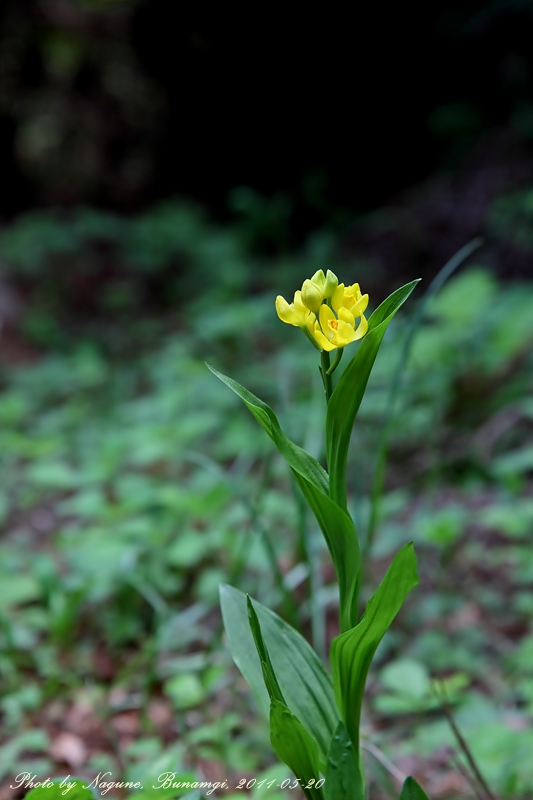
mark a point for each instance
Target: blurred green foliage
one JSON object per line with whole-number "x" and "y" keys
{"x": 133, "y": 486}
{"x": 511, "y": 218}
{"x": 80, "y": 269}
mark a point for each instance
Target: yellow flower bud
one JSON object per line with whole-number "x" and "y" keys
{"x": 312, "y": 295}
{"x": 330, "y": 284}
{"x": 319, "y": 278}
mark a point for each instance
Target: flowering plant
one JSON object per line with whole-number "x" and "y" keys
{"x": 315, "y": 716}
{"x": 326, "y": 311}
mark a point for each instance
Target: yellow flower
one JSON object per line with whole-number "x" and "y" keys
{"x": 294, "y": 313}
{"x": 349, "y": 297}
{"x": 333, "y": 332}
{"x": 327, "y": 311}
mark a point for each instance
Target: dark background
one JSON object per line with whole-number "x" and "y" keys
{"x": 381, "y": 135}
{"x": 120, "y": 104}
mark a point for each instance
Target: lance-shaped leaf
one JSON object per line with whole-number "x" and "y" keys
{"x": 343, "y": 545}
{"x": 351, "y": 653}
{"x": 411, "y": 790}
{"x": 293, "y": 745}
{"x": 304, "y": 683}
{"x": 297, "y": 458}
{"x": 336, "y": 525}
{"x": 346, "y": 399}
{"x": 291, "y": 742}
{"x": 344, "y": 771}
{"x": 269, "y": 676}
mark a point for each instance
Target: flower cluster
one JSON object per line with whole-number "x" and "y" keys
{"x": 326, "y": 311}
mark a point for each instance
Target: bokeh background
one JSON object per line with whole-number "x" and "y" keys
{"x": 166, "y": 171}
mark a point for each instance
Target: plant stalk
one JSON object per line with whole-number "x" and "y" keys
{"x": 326, "y": 376}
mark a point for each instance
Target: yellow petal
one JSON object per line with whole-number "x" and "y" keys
{"x": 286, "y": 312}
{"x": 361, "y": 328}
{"x": 294, "y": 314}
{"x": 344, "y": 334}
{"x": 337, "y": 297}
{"x": 324, "y": 343}
{"x": 301, "y": 310}
{"x": 360, "y": 306}
{"x": 325, "y": 315}
{"x": 349, "y": 300}
{"x": 346, "y": 316}
{"x": 355, "y": 290}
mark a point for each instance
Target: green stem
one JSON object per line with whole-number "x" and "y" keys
{"x": 307, "y": 555}
{"x": 336, "y": 360}
{"x": 326, "y": 377}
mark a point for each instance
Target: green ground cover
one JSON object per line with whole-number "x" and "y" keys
{"x": 133, "y": 484}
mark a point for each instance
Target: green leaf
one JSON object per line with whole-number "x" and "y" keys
{"x": 59, "y": 788}
{"x": 185, "y": 690}
{"x": 346, "y": 399}
{"x": 344, "y": 775}
{"x": 18, "y": 589}
{"x": 406, "y": 676}
{"x": 351, "y": 653}
{"x": 337, "y": 527}
{"x": 297, "y": 458}
{"x": 293, "y": 745}
{"x": 291, "y": 742}
{"x": 343, "y": 544}
{"x": 303, "y": 681}
{"x": 411, "y": 790}
{"x": 269, "y": 676}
